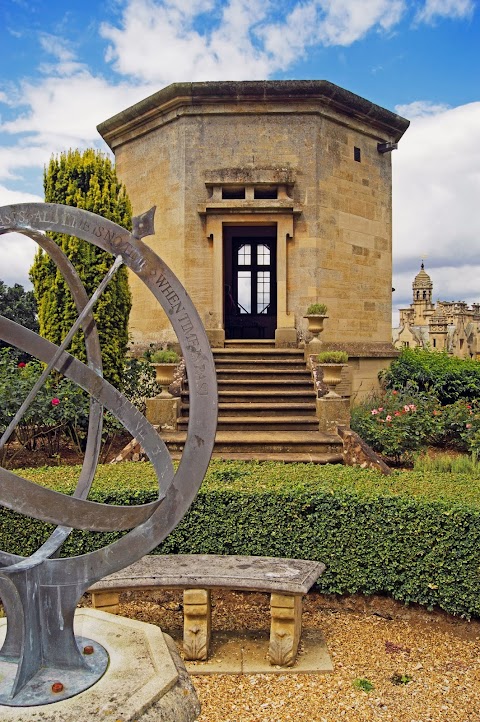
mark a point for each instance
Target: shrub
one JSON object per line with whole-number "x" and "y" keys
{"x": 414, "y": 536}
{"x": 332, "y": 357}
{"x": 396, "y": 424}
{"x": 317, "y": 309}
{"x": 59, "y": 408}
{"x": 448, "y": 378}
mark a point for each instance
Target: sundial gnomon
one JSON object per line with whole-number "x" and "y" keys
{"x": 40, "y": 593}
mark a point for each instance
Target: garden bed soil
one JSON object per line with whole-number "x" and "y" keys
{"x": 20, "y": 458}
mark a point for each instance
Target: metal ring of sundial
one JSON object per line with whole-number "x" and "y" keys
{"x": 150, "y": 523}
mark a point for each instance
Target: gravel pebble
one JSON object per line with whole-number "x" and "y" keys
{"x": 437, "y": 656}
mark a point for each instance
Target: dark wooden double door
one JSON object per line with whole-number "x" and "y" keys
{"x": 250, "y": 265}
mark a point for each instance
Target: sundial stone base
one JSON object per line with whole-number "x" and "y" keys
{"x": 145, "y": 680}
{"x": 39, "y": 689}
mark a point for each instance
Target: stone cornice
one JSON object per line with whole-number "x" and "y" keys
{"x": 266, "y": 96}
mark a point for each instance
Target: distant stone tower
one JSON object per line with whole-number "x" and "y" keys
{"x": 422, "y": 296}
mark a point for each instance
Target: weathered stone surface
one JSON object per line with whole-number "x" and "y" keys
{"x": 209, "y": 571}
{"x": 178, "y": 148}
{"x": 163, "y": 412}
{"x": 357, "y": 453}
{"x": 286, "y": 628}
{"x": 145, "y": 681}
{"x": 331, "y": 412}
{"x": 287, "y": 579}
{"x": 197, "y": 623}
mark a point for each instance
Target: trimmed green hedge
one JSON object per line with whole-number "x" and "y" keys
{"x": 412, "y": 535}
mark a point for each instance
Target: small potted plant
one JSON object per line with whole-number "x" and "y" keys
{"x": 316, "y": 314}
{"x": 165, "y": 362}
{"x": 332, "y": 363}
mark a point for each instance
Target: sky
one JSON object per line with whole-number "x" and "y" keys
{"x": 67, "y": 66}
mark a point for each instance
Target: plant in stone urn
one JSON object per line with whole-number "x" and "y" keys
{"x": 316, "y": 314}
{"x": 165, "y": 362}
{"x": 332, "y": 363}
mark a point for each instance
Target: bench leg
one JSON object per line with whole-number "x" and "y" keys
{"x": 285, "y": 629}
{"x": 196, "y": 623}
{"x": 106, "y": 601}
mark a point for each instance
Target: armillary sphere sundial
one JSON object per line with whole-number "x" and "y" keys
{"x": 40, "y": 592}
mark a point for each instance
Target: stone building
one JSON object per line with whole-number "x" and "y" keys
{"x": 450, "y": 326}
{"x": 270, "y": 196}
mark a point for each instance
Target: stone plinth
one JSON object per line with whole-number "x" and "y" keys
{"x": 145, "y": 681}
{"x": 163, "y": 412}
{"x": 332, "y": 412}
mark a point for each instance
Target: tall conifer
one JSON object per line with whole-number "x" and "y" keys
{"x": 86, "y": 180}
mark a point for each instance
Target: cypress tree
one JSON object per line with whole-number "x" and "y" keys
{"x": 86, "y": 180}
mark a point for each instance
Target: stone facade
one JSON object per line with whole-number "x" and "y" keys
{"x": 450, "y": 326}
{"x": 301, "y": 163}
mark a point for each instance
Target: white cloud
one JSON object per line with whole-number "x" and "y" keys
{"x": 17, "y": 248}
{"x": 246, "y": 39}
{"x": 436, "y": 207}
{"x": 420, "y": 108}
{"x": 158, "y": 42}
{"x": 434, "y": 9}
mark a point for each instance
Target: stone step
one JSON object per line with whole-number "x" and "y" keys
{"x": 264, "y": 442}
{"x": 252, "y": 373}
{"x": 261, "y": 409}
{"x": 296, "y": 458}
{"x": 261, "y": 396}
{"x": 303, "y": 385}
{"x": 258, "y": 364}
{"x": 240, "y": 343}
{"x": 264, "y": 353}
{"x": 265, "y": 423}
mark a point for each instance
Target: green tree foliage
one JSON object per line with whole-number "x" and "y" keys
{"x": 18, "y": 305}
{"x": 85, "y": 180}
{"x": 446, "y": 377}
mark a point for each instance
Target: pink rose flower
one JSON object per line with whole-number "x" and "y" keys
{"x": 374, "y": 411}
{"x": 55, "y": 401}
{"x": 388, "y": 418}
{"x": 21, "y": 365}
{"x": 406, "y": 407}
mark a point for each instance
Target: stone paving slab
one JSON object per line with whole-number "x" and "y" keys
{"x": 246, "y": 653}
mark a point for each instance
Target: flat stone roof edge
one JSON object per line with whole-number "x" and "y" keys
{"x": 257, "y": 90}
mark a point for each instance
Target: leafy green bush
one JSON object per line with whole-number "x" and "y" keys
{"x": 59, "y": 408}
{"x": 59, "y": 412}
{"x": 446, "y": 377}
{"x": 414, "y": 536}
{"x": 396, "y": 424}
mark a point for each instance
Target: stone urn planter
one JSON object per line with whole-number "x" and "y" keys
{"x": 316, "y": 315}
{"x": 332, "y": 363}
{"x": 164, "y": 374}
{"x": 165, "y": 364}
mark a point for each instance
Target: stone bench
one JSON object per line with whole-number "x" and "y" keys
{"x": 197, "y": 574}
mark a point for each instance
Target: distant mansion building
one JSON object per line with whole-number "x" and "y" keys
{"x": 445, "y": 326}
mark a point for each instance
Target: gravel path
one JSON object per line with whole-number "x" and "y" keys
{"x": 424, "y": 667}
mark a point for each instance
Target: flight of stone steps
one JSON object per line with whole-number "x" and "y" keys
{"x": 266, "y": 407}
